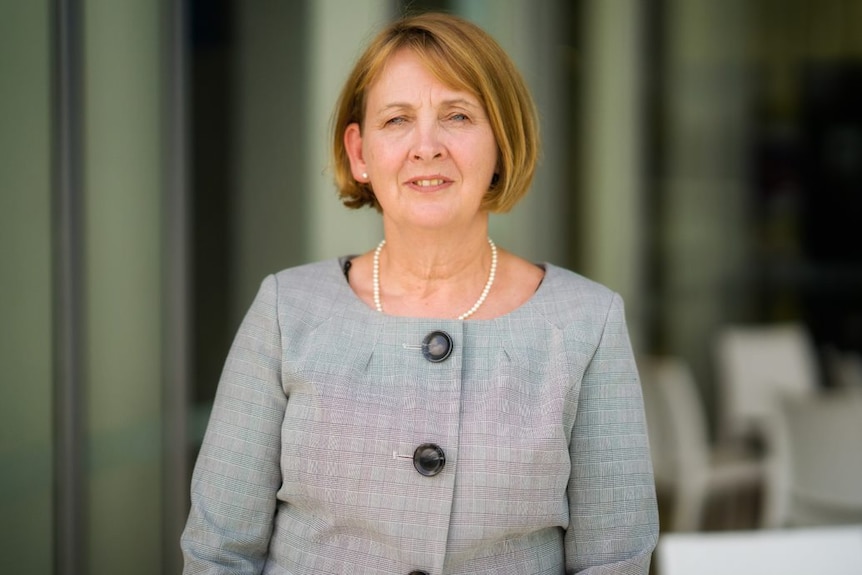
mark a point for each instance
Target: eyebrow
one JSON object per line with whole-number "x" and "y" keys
{"x": 445, "y": 103}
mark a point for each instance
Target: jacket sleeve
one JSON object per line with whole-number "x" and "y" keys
{"x": 237, "y": 474}
{"x": 612, "y": 504}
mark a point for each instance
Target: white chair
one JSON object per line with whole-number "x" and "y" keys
{"x": 831, "y": 550}
{"x": 686, "y": 465}
{"x": 755, "y": 367}
{"x": 815, "y": 469}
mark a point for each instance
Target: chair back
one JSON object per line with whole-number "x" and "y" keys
{"x": 757, "y": 366}
{"x": 817, "y": 460}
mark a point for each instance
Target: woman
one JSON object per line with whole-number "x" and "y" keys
{"x": 437, "y": 405}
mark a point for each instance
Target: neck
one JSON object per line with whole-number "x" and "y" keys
{"x": 435, "y": 256}
{"x": 432, "y": 277}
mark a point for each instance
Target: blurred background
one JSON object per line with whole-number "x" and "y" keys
{"x": 159, "y": 157}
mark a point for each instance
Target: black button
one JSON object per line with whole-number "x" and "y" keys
{"x": 429, "y": 459}
{"x": 437, "y": 346}
{"x": 418, "y": 573}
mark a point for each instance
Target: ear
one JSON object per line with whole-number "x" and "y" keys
{"x": 353, "y": 147}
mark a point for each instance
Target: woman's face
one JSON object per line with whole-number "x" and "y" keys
{"x": 429, "y": 150}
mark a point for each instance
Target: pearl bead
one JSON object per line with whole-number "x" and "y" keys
{"x": 376, "y": 280}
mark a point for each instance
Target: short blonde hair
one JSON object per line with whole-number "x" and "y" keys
{"x": 464, "y": 57}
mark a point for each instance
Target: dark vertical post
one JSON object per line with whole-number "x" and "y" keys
{"x": 175, "y": 255}
{"x": 68, "y": 250}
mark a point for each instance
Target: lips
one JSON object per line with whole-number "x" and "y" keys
{"x": 427, "y": 183}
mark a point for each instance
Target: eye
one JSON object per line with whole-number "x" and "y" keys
{"x": 459, "y": 117}
{"x": 396, "y": 121}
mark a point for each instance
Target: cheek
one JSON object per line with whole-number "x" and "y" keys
{"x": 381, "y": 152}
{"x": 484, "y": 159}
{"x": 487, "y": 151}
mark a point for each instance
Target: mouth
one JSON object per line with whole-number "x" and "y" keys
{"x": 428, "y": 183}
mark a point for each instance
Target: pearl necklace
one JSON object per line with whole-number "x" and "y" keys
{"x": 466, "y": 314}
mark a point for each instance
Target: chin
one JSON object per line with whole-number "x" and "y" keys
{"x": 437, "y": 220}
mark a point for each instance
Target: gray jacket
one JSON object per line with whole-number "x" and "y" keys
{"x": 534, "y": 425}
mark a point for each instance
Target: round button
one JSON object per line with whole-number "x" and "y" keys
{"x": 437, "y": 346}
{"x": 429, "y": 459}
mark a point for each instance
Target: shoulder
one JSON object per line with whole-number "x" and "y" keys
{"x": 590, "y": 318}
{"x": 566, "y": 287}
{"x": 314, "y": 274}
{"x": 308, "y": 290}
{"x": 569, "y": 299}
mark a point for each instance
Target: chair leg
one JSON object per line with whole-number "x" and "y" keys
{"x": 688, "y": 507}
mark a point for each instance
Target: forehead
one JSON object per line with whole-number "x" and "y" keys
{"x": 406, "y": 73}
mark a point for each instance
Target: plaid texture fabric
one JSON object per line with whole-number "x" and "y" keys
{"x": 539, "y": 413}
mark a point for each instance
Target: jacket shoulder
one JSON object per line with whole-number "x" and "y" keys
{"x": 572, "y": 298}
{"x": 310, "y": 292}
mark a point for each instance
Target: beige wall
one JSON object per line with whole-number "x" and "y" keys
{"x": 613, "y": 233}
{"x": 26, "y": 521}
{"x": 123, "y": 282}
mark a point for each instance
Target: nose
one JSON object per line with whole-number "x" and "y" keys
{"x": 428, "y": 144}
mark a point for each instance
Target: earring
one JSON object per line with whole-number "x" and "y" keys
{"x": 364, "y": 176}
